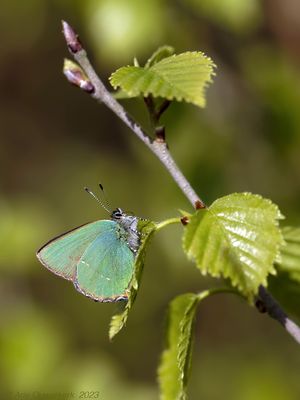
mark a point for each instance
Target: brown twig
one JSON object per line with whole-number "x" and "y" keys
{"x": 275, "y": 311}
{"x": 101, "y": 94}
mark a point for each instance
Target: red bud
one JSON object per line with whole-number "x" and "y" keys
{"x": 71, "y": 37}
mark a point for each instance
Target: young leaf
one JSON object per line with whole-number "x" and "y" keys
{"x": 180, "y": 77}
{"x": 176, "y": 358}
{"x": 147, "y": 228}
{"x": 186, "y": 340}
{"x": 238, "y": 238}
{"x": 161, "y": 53}
{"x": 290, "y": 253}
{"x": 120, "y": 95}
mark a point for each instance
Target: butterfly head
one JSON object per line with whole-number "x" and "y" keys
{"x": 117, "y": 214}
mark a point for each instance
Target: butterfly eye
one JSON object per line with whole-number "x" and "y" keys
{"x": 117, "y": 213}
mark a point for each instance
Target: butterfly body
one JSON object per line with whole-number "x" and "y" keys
{"x": 97, "y": 257}
{"x": 128, "y": 228}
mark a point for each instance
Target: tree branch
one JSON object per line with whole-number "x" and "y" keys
{"x": 275, "y": 311}
{"x": 160, "y": 149}
{"x": 101, "y": 94}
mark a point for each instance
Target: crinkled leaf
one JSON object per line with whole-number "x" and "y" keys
{"x": 147, "y": 228}
{"x": 159, "y": 54}
{"x": 180, "y": 77}
{"x": 186, "y": 340}
{"x": 237, "y": 237}
{"x": 176, "y": 358}
{"x": 290, "y": 252}
{"x": 120, "y": 95}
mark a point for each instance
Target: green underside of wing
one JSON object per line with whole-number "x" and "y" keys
{"x": 62, "y": 254}
{"x": 95, "y": 257}
{"x": 106, "y": 268}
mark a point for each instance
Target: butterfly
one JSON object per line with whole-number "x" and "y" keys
{"x": 97, "y": 257}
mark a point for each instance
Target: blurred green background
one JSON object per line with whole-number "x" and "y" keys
{"x": 55, "y": 140}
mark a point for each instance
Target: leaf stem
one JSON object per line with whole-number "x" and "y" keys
{"x": 167, "y": 222}
{"x": 101, "y": 94}
{"x": 210, "y": 292}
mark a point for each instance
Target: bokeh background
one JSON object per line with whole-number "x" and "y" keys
{"x": 55, "y": 140}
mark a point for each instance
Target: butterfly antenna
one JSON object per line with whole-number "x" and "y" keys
{"x": 105, "y": 197}
{"x": 97, "y": 199}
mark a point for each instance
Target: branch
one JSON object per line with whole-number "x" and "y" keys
{"x": 91, "y": 83}
{"x": 100, "y": 93}
{"x": 266, "y": 303}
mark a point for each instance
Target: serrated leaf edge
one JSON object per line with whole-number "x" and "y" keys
{"x": 281, "y": 241}
{"x": 186, "y": 97}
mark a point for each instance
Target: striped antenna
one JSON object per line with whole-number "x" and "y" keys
{"x": 105, "y": 197}
{"x": 105, "y": 206}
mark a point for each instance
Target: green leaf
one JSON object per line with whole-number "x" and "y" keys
{"x": 180, "y": 77}
{"x": 161, "y": 53}
{"x": 118, "y": 321}
{"x": 290, "y": 253}
{"x": 175, "y": 363}
{"x": 120, "y": 95}
{"x": 238, "y": 237}
{"x": 185, "y": 340}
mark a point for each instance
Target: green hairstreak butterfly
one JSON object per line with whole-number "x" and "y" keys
{"x": 97, "y": 257}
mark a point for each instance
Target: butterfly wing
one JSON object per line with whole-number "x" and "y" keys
{"x": 106, "y": 268}
{"x": 93, "y": 256}
{"x": 62, "y": 254}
